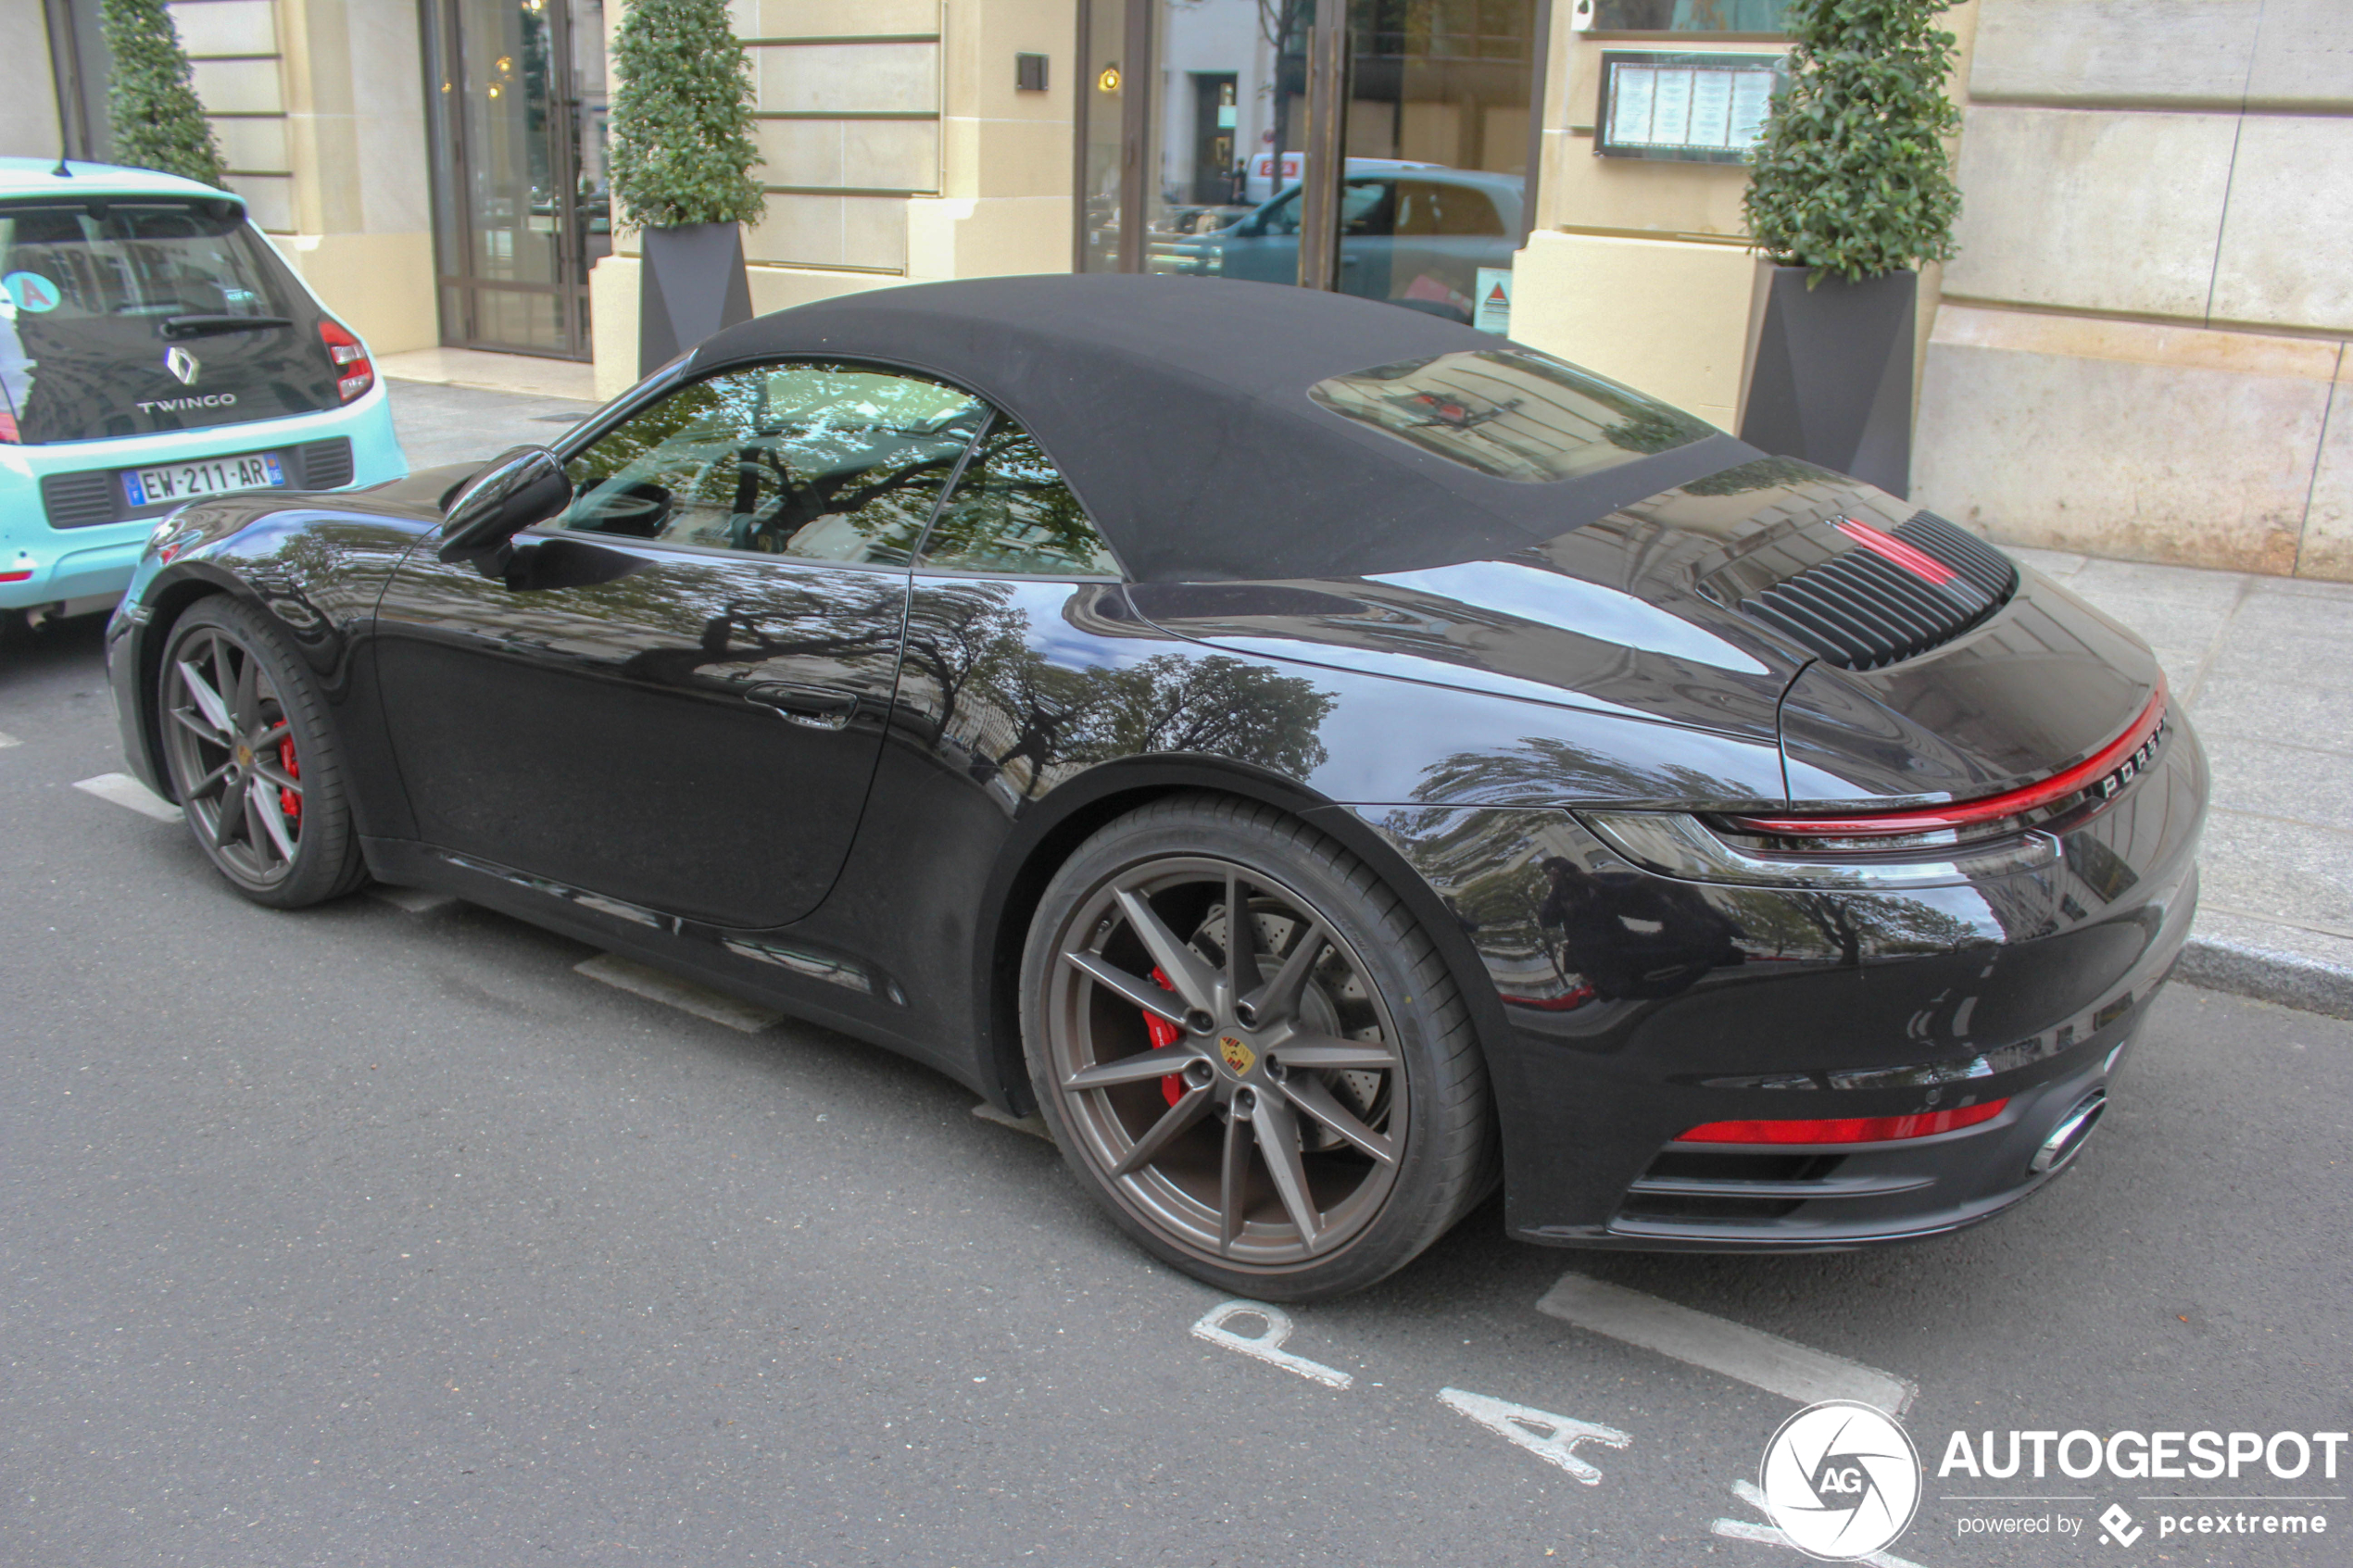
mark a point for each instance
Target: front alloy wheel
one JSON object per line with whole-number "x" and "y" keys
{"x": 249, "y": 757}
{"x": 1233, "y": 1033}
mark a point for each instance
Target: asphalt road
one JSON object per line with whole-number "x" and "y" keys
{"x": 364, "y": 1237}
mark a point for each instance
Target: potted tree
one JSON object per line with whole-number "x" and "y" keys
{"x": 1851, "y": 189}
{"x": 682, "y": 160}
{"x": 158, "y": 123}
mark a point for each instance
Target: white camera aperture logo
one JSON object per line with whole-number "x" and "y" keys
{"x": 1841, "y": 1479}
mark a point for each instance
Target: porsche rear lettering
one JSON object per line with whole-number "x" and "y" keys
{"x": 2130, "y": 769}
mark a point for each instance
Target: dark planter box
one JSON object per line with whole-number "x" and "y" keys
{"x": 1830, "y": 374}
{"x": 691, "y": 284}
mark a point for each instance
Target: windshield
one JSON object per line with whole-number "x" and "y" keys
{"x": 1511, "y": 412}
{"x": 92, "y": 292}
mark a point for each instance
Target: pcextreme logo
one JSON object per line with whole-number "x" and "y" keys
{"x": 1841, "y": 1479}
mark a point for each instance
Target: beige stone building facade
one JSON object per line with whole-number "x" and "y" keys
{"x": 2138, "y": 350}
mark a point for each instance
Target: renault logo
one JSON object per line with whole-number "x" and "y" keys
{"x": 182, "y": 364}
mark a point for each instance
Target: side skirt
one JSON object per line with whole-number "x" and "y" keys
{"x": 781, "y": 971}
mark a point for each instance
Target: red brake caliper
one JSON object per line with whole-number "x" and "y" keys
{"x": 1164, "y": 1034}
{"x": 288, "y": 801}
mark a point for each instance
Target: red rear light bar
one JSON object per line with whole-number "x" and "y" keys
{"x": 1971, "y": 813}
{"x": 1847, "y": 1129}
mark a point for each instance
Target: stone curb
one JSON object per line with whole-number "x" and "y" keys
{"x": 2248, "y": 969}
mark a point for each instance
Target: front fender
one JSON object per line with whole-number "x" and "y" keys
{"x": 313, "y": 573}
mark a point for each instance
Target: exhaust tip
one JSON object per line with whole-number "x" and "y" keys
{"x": 2067, "y": 1138}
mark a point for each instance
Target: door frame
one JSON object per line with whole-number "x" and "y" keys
{"x": 448, "y": 162}
{"x": 1328, "y": 58}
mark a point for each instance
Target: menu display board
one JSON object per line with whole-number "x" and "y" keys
{"x": 1688, "y": 107}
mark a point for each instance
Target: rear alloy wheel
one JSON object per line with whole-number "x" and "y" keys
{"x": 250, "y": 759}
{"x": 1251, "y": 1052}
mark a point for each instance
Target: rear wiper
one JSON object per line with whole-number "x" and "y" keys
{"x": 206, "y": 325}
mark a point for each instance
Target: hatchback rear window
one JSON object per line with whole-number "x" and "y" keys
{"x": 97, "y": 290}
{"x": 1511, "y": 413}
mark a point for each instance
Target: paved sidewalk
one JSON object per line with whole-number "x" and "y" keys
{"x": 442, "y": 423}
{"x": 2264, "y": 667}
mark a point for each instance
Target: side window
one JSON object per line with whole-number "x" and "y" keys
{"x": 1012, "y": 514}
{"x": 834, "y": 462}
{"x": 1283, "y": 217}
{"x": 1425, "y": 208}
{"x": 1365, "y": 207}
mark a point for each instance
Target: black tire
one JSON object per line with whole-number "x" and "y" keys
{"x": 1362, "y": 1060}
{"x": 255, "y": 766}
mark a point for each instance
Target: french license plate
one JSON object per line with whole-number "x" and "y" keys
{"x": 209, "y": 476}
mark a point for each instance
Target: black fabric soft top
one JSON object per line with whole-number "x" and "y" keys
{"x": 1178, "y": 409}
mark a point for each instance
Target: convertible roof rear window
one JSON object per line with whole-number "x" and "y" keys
{"x": 1511, "y": 413}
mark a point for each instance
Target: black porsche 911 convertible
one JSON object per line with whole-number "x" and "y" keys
{"x": 1326, "y": 760}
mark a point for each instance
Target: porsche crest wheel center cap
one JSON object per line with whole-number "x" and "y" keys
{"x": 244, "y": 755}
{"x": 1239, "y": 1057}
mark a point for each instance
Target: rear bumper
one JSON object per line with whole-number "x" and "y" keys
{"x": 1646, "y": 1007}
{"x": 95, "y": 562}
{"x": 1721, "y": 1198}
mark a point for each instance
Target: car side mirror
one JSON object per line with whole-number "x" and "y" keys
{"x": 523, "y": 486}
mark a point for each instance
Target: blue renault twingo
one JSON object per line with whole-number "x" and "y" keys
{"x": 154, "y": 349}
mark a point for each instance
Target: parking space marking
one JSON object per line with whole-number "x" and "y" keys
{"x": 126, "y": 791}
{"x": 1768, "y": 1360}
{"x": 1742, "y": 1530}
{"x": 412, "y": 900}
{"x": 7, "y": 740}
{"x": 1556, "y": 1444}
{"x": 670, "y": 991}
{"x": 1034, "y": 1125}
{"x": 1266, "y": 1347}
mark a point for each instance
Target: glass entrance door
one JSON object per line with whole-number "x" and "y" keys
{"x": 522, "y": 206}
{"x": 1379, "y": 147}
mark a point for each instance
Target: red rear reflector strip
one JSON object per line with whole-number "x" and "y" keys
{"x": 1845, "y": 1129}
{"x": 1991, "y": 808}
{"x": 23, "y": 576}
{"x": 1917, "y": 562}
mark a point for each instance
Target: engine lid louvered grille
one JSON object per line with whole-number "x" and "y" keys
{"x": 1879, "y": 603}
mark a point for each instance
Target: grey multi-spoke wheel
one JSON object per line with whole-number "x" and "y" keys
{"x": 250, "y": 759}
{"x": 1251, "y": 1052}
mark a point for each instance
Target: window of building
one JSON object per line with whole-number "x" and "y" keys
{"x": 1763, "y": 17}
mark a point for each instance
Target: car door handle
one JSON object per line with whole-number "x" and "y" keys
{"x": 819, "y": 707}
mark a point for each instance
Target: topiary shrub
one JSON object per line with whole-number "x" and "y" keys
{"x": 1850, "y": 176}
{"x": 682, "y": 147}
{"x": 158, "y": 123}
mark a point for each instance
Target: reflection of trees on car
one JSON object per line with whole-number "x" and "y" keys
{"x": 753, "y": 459}
{"x": 1543, "y": 769}
{"x": 981, "y": 681}
{"x": 1220, "y": 705}
{"x": 1634, "y": 936}
{"x": 1012, "y": 512}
